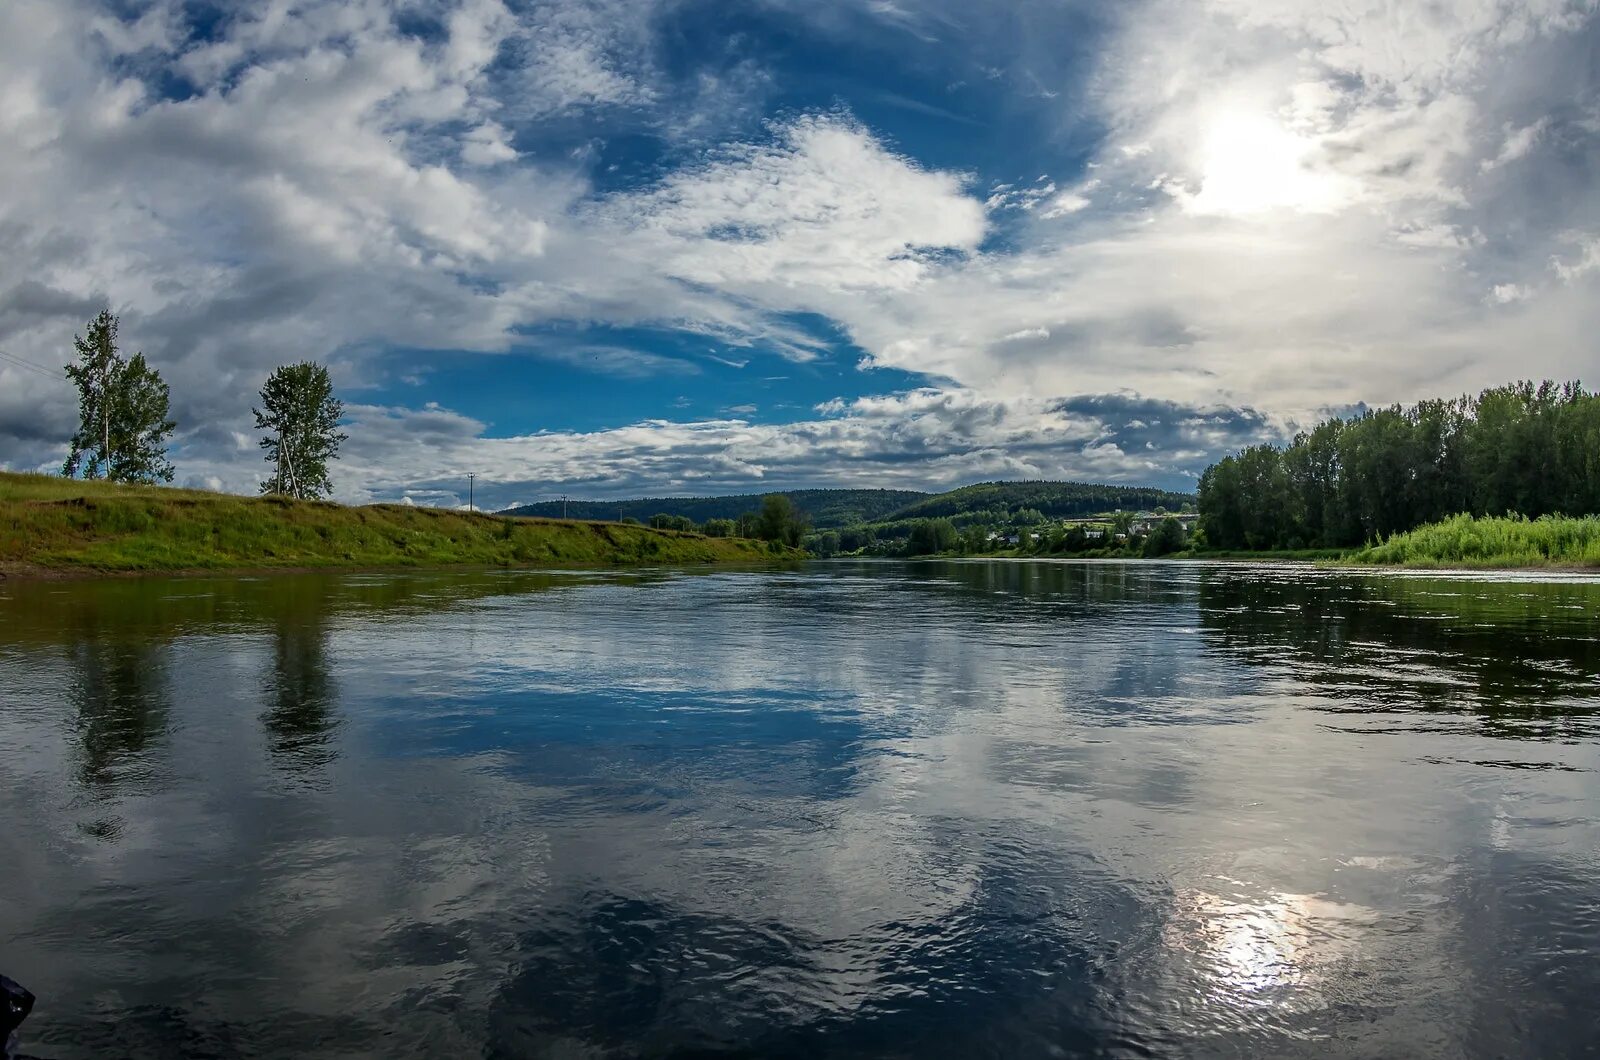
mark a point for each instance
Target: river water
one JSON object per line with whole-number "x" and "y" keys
{"x": 856, "y": 809}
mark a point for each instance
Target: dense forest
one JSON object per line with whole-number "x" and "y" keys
{"x": 1529, "y": 449}
{"x": 1050, "y": 499}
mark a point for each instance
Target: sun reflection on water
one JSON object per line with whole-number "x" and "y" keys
{"x": 1269, "y": 951}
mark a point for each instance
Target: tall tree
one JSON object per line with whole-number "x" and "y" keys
{"x": 302, "y": 417}
{"x": 139, "y": 425}
{"x": 780, "y": 520}
{"x": 122, "y": 411}
{"x": 1525, "y": 448}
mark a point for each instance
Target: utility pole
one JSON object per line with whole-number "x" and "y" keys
{"x": 471, "y": 481}
{"x": 563, "y": 506}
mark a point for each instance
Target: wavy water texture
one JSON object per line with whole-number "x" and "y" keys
{"x": 957, "y": 809}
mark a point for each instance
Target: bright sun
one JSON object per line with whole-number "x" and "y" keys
{"x": 1249, "y": 164}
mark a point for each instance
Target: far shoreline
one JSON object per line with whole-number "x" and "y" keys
{"x": 1264, "y": 558}
{"x": 23, "y": 573}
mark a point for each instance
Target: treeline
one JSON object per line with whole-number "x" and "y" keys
{"x": 991, "y": 500}
{"x": 823, "y": 508}
{"x": 124, "y": 407}
{"x": 777, "y": 521}
{"x": 1026, "y": 533}
{"x": 892, "y": 512}
{"x": 1526, "y": 449}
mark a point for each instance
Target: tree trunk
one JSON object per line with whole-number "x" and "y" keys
{"x": 294, "y": 481}
{"x": 105, "y": 418}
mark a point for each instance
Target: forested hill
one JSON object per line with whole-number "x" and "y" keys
{"x": 824, "y": 508}
{"x": 1051, "y": 499}
{"x": 832, "y": 509}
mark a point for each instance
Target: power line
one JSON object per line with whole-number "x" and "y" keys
{"x": 33, "y": 366}
{"x": 23, "y": 362}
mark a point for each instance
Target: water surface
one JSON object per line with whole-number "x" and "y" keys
{"x": 861, "y": 809}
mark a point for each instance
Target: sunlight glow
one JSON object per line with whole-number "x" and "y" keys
{"x": 1250, "y": 164}
{"x": 1266, "y": 952}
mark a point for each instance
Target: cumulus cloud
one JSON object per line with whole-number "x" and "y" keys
{"x": 1285, "y": 207}
{"x": 1298, "y": 207}
{"x": 825, "y": 207}
{"x": 1518, "y": 142}
{"x": 931, "y": 437}
{"x": 1586, "y": 260}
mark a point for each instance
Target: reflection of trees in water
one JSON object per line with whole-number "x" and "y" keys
{"x": 300, "y": 718}
{"x": 121, "y": 703}
{"x": 1502, "y": 650}
{"x": 1072, "y": 586}
{"x": 120, "y": 699}
{"x": 35, "y": 613}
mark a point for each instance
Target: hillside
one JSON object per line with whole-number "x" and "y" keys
{"x": 824, "y": 508}
{"x": 1055, "y": 499}
{"x": 57, "y": 524}
{"x": 834, "y": 509}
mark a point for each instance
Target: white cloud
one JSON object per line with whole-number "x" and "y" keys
{"x": 1586, "y": 261}
{"x": 1026, "y": 198}
{"x": 1294, "y": 206}
{"x": 1506, "y": 293}
{"x": 824, "y": 207}
{"x": 923, "y": 438}
{"x": 487, "y": 145}
{"x": 1068, "y": 202}
{"x": 1518, "y": 142}
{"x": 582, "y": 54}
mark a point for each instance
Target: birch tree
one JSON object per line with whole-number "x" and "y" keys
{"x": 301, "y": 416}
{"x": 122, "y": 411}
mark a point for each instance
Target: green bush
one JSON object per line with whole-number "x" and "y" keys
{"x": 1504, "y": 541}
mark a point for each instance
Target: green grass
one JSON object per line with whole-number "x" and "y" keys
{"x": 1503, "y": 541}
{"x": 56, "y": 524}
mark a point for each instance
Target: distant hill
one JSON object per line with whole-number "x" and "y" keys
{"x": 825, "y": 508}
{"x": 831, "y": 509}
{"x": 1056, "y": 499}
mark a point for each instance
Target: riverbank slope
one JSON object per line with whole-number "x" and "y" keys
{"x": 1510, "y": 541}
{"x": 55, "y": 525}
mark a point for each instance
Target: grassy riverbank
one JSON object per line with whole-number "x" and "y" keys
{"x": 50, "y": 524}
{"x": 1462, "y": 541}
{"x": 1506, "y": 541}
{"x": 1303, "y": 555}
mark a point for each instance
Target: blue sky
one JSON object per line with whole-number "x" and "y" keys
{"x": 612, "y": 248}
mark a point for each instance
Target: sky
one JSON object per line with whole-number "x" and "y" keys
{"x": 611, "y": 248}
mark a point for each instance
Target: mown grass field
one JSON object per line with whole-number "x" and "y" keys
{"x": 1504, "y": 541}
{"x": 55, "y": 524}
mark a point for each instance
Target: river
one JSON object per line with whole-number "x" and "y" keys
{"x": 944, "y": 809}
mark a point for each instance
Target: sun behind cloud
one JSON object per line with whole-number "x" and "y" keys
{"x": 537, "y": 237}
{"x": 1250, "y": 163}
